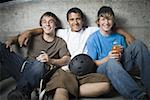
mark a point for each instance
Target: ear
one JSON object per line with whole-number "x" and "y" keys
{"x": 97, "y": 22}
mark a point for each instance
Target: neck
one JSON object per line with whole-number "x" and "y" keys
{"x": 105, "y": 33}
{"x": 76, "y": 31}
{"x": 48, "y": 37}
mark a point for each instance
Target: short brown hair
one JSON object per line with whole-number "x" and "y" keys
{"x": 107, "y": 12}
{"x": 57, "y": 21}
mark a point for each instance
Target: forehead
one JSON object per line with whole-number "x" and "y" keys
{"x": 74, "y": 15}
{"x": 106, "y": 15}
{"x": 49, "y": 18}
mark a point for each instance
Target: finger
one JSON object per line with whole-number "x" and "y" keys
{"x": 7, "y": 44}
{"x": 114, "y": 52}
{"x": 43, "y": 60}
{"x": 43, "y": 52}
{"x": 38, "y": 59}
{"x": 21, "y": 41}
{"x": 128, "y": 43}
{"x": 26, "y": 41}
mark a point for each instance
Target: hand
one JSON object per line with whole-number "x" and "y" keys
{"x": 43, "y": 57}
{"x": 115, "y": 55}
{"x": 23, "y": 38}
{"x": 11, "y": 40}
{"x": 8, "y": 43}
{"x": 128, "y": 36}
{"x": 129, "y": 39}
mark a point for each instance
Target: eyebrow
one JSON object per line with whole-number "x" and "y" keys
{"x": 49, "y": 20}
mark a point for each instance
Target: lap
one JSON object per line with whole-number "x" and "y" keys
{"x": 92, "y": 78}
{"x": 62, "y": 79}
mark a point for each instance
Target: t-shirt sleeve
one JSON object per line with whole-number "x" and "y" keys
{"x": 63, "y": 49}
{"x": 90, "y": 49}
{"x": 123, "y": 42}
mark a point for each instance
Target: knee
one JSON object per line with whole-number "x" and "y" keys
{"x": 113, "y": 64}
{"x": 2, "y": 50}
{"x": 2, "y": 47}
{"x": 96, "y": 89}
{"x": 106, "y": 87}
{"x": 61, "y": 92}
{"x": 37, "y": 67}
{"x": 1, "y": 44}
{"x": 139, "y": 44}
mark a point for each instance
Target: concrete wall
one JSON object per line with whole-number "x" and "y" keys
{"x": 19, "y": 15}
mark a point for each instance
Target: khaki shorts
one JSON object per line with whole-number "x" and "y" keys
{"x": 67, "y": 80}
{"x": 92, "y": 78}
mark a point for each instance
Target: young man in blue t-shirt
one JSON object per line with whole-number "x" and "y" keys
{"x": 115, "y": 63}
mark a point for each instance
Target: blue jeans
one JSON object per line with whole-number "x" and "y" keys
{"x": 135, "y": 54}
{"x": 30, "y": 76}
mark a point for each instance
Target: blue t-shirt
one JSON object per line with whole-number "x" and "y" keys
{"x": 98, "y": 46}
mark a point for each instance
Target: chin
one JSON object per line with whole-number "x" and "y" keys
{"x": 76, "y": 30}
{"x": 47, "y": 31}
{"x": 108, "y": 29}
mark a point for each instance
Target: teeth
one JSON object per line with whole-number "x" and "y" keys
{"x": 47, "y": 28}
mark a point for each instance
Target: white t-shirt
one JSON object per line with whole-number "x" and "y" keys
{"x": 75, "y": 40}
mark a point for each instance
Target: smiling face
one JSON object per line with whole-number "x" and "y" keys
{"x": 105, "y": 23}
{"x": 106, "y": 19}
{"x": 75, "y": 22}
{"x": 48, "y": 24}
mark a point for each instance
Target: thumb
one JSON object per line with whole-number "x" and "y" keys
{"x": 26, "y": 41}
{"x": 43, "y": 52}
{"x": 20, "y": 41}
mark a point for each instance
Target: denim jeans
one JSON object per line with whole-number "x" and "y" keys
{"x": 30, "y": 76}
{"x": 134, "y": 54}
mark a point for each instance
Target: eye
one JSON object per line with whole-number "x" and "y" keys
{"x": 43, "y": 21}
{"x": 102, "y": 19}
{"x": 51, "y": 21}
{"x": 71, "y": 19}
{"x": 78, "y": 19}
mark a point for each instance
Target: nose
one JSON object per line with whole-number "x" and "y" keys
{"x": 106, "y": 20}
{"x": 47, "y": 24}
{"x": 75, "y": 21}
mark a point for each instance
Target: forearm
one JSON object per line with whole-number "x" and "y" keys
{"x": 24, "y": 36}
{"x": 122, "y": 32}
{"x": 35, "y": 31}
{"x": 13, "y": 39}
{"x": 59, "y": 62}
{"x": 99, "y": 62}
{"x": 129, "y": 38}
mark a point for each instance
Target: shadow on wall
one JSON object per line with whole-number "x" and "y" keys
{"x": 2, "y": 1}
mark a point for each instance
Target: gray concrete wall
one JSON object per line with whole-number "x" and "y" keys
{"x": 19, "y": 15}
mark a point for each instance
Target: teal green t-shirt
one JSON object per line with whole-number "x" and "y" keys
{"x": 98, "y": 46}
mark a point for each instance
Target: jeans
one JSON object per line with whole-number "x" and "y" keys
{"x": 134, "y": 54}
{"x": 30, "y": 76}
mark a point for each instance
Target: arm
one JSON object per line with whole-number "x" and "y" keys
{"x": 128, "y": 36}
{"x": 43, "y": 57}
{"x": 24, "y": 36}
{"x": 59, "y": 62}
{"x": 111, "y": 55}
{"x": 11, "y": 40}
{"x": 99, "y": 62}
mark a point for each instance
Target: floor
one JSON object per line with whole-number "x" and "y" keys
{"x": 9, "y": 84}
